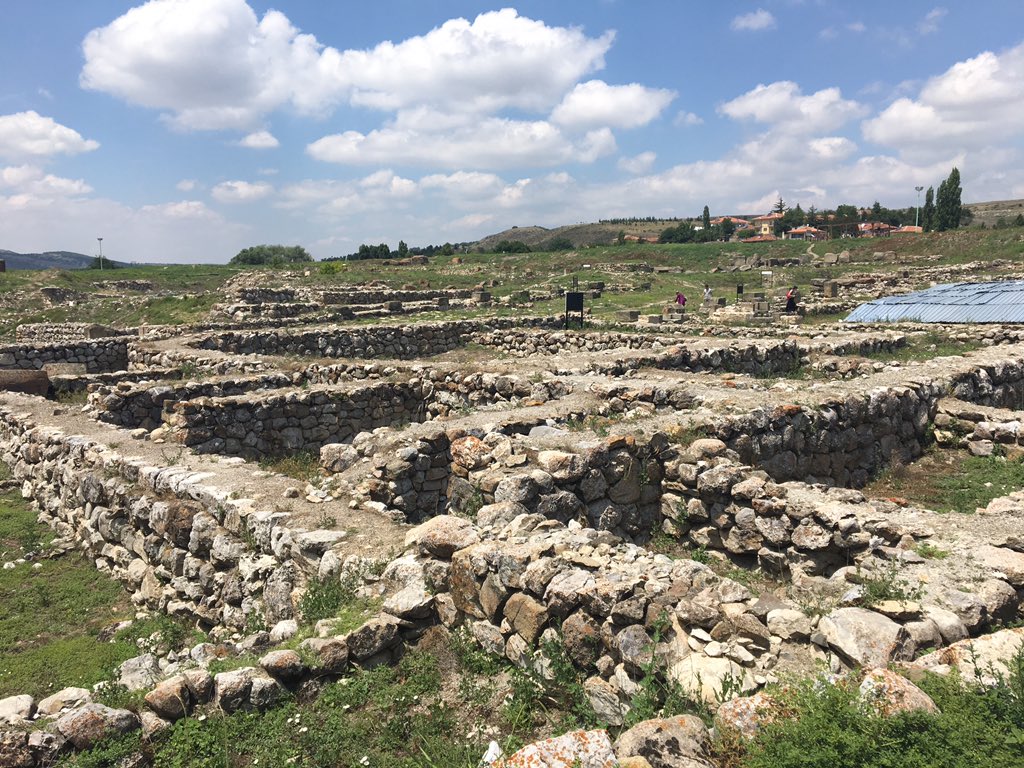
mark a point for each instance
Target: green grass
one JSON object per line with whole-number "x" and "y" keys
{"x": 51, "y": 616}
{"x": 981, "y": 479}
{"x": 303, "y": 466}
{"x": 822, "y": 725}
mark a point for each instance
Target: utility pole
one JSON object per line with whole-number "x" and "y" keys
{"x": 100, "y": 241}
{"x": 917, "y": 216}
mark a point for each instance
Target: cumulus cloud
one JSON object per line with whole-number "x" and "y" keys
{"x": 753, "y": 21}
{"x": 499, "y": 60}
{"x": 971, "y": 105}
{"x": 211, "y": 63}
{"x": 29, "y": 134}
{"x": 638, "y": 163}
{"x": 259, "y": 140}
{"x": 783, "y": 104}
{"x": 241, "y": 191}
{"x": 32, "y": 184}
{"x": 215, "y": 64}
{"x": 595, "y": 103}
{"x": 492, "y": 143}
{"x": 185, "y": 185}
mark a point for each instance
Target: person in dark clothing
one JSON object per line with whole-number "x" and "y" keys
{"x": 792, "y": 297}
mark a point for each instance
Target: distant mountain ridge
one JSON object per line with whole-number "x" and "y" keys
{"x": 50, "y": 260}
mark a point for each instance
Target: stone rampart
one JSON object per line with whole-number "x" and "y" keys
{"x": 62, "y": 333}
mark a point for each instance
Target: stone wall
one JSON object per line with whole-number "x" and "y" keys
{"x": 110, "y": 354}
{"x": 179, "y": 545}
{"x": 61, "y": 333}
{"x": 277, "y": 424}
{"x": 132, "y": 405}
{"x": 404, "y": 342}
{"x": 381, "y": 295}
{"x": 68, "y": 382}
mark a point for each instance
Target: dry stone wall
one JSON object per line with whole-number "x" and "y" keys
{"x": 97, "y": 355}
{"x": 179, "y": 545}
{"x": 258, "y": 426}
{"x": 401, "y": 342}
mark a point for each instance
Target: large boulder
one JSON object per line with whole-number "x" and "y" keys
{"x": 15, "y": 710}
{"x": 865, "y": 638}
{"x": 887, "y": 693}
{"x": 66, "y": 698}
{"x": 671, "y": 742}
{"x": 576, "y": 749}
{"x": 88, "y": 725}
{"x": 171, "y": 699}
{"x": 443, "y": 535}
{"x": 139, "y": 673}
{"x": 984, "y": 658}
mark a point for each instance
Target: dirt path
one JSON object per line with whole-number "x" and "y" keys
{"x": 370, "y": 534}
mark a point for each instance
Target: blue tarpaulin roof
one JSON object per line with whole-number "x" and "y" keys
{"x": 997, "y": 302}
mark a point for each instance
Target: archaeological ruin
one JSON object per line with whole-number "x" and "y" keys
{"x": 657, "y": 494}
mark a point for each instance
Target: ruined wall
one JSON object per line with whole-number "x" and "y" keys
{"x": 402, "y": 342}
{"x": 110, "y": 354}
{"x": 179, "y": 545}
{"x": 259, "y": 426}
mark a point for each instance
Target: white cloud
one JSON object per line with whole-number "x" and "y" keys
{"x": 832, "y": 147}
{"x": 753, "y": 21}
{"x": 639, "y": 163}
{"x": 782, "y": 104}
{"x": 259, "y": 140}
{"x": 184, "y": 209}
{"x": 213, "y": 64}
{"x": 595, "y": 103}
{"x": 685, "y": 119}
{"x": 29, "y": 134}
{"x": 32, "y": 185}
{"x": 856, "y": 27}
{"x": 491, "y": 143}
{"x": 186, "y": 185}
{"x": 971, "y": 105}
{"x": 499, "y": 60}
{"x": 930, "y": 23}
{"x": 241, "y": 191}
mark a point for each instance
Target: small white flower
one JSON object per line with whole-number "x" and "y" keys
{"x": 364, "y": 760}
{"x": 303, "y": 729}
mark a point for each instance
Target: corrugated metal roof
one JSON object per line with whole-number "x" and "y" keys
{"x": 996, "y": 302}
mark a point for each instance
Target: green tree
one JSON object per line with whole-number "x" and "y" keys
{"x": 683, "y": 233}
{"x": 1019, "y": 221}
{"x": 846, "y": 214}
{"x": 403, "y": 249}
{"x": 728, "y": 228}
{"x": 511, "y": 246}
{"x": 792, "y": 218}
{"x": 812, "y": 216}
{"x": 948, "y": 208}
{"x": 779, "y": 207}
{"x": 876, "y": 211}
{"x": 928, "y": 212}
{"x": 271, "y": 255}
{"x": 706, "y": 219}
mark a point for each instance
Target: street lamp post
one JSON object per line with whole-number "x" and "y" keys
{"x": 917, "y": 216}
{"x": 100, "y": 241}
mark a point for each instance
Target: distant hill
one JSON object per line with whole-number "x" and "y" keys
{"x": 50, "y": 260}
{"x": 994, "y": 210}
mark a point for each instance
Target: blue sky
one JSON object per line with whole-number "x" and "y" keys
{"x": 185, "y": 130}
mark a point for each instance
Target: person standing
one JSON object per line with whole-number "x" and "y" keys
{"x": 681, "y": 301}
{"x": 708, "y": 298}
{"x": 792, "y": 297}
